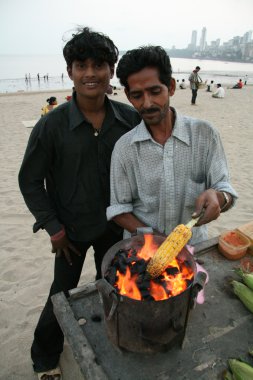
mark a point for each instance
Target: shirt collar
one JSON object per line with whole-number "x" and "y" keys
{"x": 180, "y": 130}
{"x": 76, "y": 117}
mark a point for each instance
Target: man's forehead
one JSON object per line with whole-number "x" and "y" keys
{"x": 146, "y": 78}
{"x": 145, "y": 88}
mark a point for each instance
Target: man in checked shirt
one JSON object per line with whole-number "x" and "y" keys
{"x": 170, "y": 166}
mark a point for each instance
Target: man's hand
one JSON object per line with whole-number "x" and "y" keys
{"x": 208, "y": 205}
{"x": 62, "y": 246}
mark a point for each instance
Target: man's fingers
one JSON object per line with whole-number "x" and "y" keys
{"x": 67, "y": 255}
{"x": 58, "y": 252}
{"x": 74, "y": 249}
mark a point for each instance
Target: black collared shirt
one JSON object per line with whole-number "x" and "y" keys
{"x": 64, "y": 177}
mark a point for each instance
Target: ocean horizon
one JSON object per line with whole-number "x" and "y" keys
{"x": 14, "y": 69}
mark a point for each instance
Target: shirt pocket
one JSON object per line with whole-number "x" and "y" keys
{"x": 193, "y": 190}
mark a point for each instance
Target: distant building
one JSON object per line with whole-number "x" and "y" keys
{"x": 193, "y": 44}
{"x": 202, "y": 42}
{"x": 238, "y": 48}
{"x": 247, "y": 37}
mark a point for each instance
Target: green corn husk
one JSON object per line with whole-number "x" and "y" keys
{"x": 228, "y": 376}
{"x": 246, "y": 277}
{"x": 240, "y": 370}
{"x": 245, "y": 294}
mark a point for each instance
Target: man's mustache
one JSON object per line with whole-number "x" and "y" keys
{"x": 149, "y": 110}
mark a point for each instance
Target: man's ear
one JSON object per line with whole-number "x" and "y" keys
{"x": 69, "y": 70}
{"x": 112, "y": 71}
{"x": 127, "y": 94}
{"x": 172, "y": 87}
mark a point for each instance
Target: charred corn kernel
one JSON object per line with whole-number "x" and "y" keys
{"x": 168, "y": 250}
{"x": 241, "y": 370}
{"x": 246, "y": 277}
{"x": 244, "y": 293}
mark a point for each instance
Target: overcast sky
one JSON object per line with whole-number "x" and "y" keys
{"x": 38, "y": 26}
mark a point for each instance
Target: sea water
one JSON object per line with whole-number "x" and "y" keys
{"x": 53, "y": 75}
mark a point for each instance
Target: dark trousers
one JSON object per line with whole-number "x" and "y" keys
{"x": 194, "y": 96}
{"x": 48, "y": 337}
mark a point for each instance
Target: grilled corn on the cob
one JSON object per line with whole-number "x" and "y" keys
{"x": 241, "y": 370}
{"x": 169, "y": 249}
{"x": 244, "y": 293}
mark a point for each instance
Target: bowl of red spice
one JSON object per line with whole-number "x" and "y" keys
{"x": 233, "y": 245}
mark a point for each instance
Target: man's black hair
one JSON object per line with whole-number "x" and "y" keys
{"x": 88, "y": 44}
{"x": 145, "y": 56}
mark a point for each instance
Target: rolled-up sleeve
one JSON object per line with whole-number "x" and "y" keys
{"x": 121, "y": 193}
{"x": 217, "y": 168}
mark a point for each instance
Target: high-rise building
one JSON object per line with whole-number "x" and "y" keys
{"x": 194, "y": 39}
{"x": 202, "y": 42}
{"x": 247, "y": 37}
{"x": 193, "y": 44}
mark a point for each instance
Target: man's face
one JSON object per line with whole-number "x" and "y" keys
{"x": 91, "y": 78}
{"x": 149, "y": 96}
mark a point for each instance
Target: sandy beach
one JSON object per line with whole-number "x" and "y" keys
{"x": 26, "y": 261}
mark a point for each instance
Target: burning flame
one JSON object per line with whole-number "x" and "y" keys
{"x": 173, "y": 281}
{"x": 127, "y": 285}
{"x": 148, "y": 249}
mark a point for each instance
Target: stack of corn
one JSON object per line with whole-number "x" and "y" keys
{"x": 240, "y": 371}
{"x": 170, "y": 248}
{"x": 244, "y": 290}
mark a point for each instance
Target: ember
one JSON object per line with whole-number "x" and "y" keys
{"x": 127, "y": 274}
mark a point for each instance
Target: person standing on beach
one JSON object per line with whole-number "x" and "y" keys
{"x": 195, "y": 80}
{"x": 170, "y": 167}
{"x": 64, "y": 179}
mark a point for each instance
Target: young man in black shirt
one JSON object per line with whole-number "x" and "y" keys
{"x": 64, "y": 178}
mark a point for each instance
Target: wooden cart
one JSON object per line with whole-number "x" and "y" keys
{"x": 219, "y": 329}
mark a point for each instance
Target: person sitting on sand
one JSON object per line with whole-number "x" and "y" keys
{"x": 210, "y": 86}
{"x": 219, "y": 93}
{"x": 182, "y": 85}
{"x": 52, "y": 103}
{"x": 239, "y": 84}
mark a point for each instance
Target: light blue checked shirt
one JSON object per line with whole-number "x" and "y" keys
{"x": 159, "y": 184}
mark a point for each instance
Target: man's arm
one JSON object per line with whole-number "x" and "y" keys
{"x": 33, "y": 172}
{"x": 122, "y": 187}
{"x": 220, "y": 195}
{"x": 212, "y": 202}
{"x": 128, "y": 221}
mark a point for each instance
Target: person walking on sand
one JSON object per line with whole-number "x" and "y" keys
{"x": 157, "y": 174}
{"x": 219, "y": 93}
{"x": 195, "y": 81}
{"x": 64, "y": 179}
